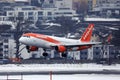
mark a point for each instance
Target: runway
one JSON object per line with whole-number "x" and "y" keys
{"x": 58, "y": 69}
{"x": 62, "y": 77}
{"x": 60, "y": 72}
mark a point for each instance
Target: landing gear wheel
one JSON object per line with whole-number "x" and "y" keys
{"x": 64, "y": 55}
{"x": 45, "y": 54}
{"x": 28, "y": 47}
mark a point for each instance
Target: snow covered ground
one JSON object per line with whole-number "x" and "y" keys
{"x": 59, "y": 67}
{"x": 64, "y": 77}
{"x": 56, "y": 67}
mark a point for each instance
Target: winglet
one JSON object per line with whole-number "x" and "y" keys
{"x": 86, "y": 36}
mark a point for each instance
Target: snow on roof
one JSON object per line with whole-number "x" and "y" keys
{"x": 101, "y": 19}
{"x": 22, "y": 0}
{"x": 8, "y": 23}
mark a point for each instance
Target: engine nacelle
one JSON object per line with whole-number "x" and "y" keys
{"x": 31, "y": 48}
{"x": 60, "y": 48}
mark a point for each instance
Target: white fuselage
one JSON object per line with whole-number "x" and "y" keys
{"x": 33, "y": 41}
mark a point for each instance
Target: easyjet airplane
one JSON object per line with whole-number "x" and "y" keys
{"x": 34, "y": 41}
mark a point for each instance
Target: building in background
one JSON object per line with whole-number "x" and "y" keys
{"x": 7, "y": 46}
{"x": 81, "y": 6}
{"x": 102, "y": 8}
{"x": 1, "y": 49}
{"x": 48, "y": 11}
{"x": 108, "y": 8}
{"x": 36, "y": 2}
{"x": 7, "y": 1}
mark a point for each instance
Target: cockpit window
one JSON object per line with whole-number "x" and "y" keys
{"x": 26, "y": 36}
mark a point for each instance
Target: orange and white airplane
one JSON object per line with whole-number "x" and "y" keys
{"x": 34, "y": 41}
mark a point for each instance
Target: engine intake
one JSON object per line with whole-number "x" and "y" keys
{"x": 60, "y": 48}
{"x": 31, "y": 48}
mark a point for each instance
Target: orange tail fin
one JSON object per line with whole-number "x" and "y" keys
{"x": 86, "y": 36}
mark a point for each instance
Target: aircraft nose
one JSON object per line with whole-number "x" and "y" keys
{"x": 21, "y": 40}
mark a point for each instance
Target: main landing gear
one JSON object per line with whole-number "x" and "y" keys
{"x": 45, "y": 54}
{"x": 64, "y": 54}
{"x": 28, "y": 49}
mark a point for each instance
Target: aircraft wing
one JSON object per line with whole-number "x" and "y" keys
{"x": 77, "y": 44}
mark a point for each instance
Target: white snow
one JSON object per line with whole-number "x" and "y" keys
{"x": 101, "y": 19}
{"x": 59, "y": 67}
{"x": 56, "y": 67}
{"x": 64, "y": 77}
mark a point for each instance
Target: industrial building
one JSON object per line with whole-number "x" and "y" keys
{"x": 100, "y": 8}
{"x": 7, "y": 46}
{"x": 47, "y": 11}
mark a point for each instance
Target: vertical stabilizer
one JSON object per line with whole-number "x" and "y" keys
{"x": 86, "y": 36}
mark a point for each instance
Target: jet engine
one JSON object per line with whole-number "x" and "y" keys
{"x": 31, "y": 48}
{"x": 60, "y": 48}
